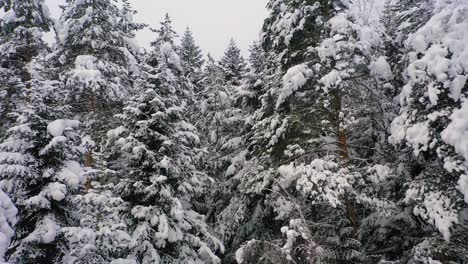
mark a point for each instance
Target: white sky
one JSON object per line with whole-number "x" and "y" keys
{"x": 213, "y": 22}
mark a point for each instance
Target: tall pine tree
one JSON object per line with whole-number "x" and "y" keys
{"x": 232, "y": 63}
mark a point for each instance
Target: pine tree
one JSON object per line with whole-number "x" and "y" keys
{"x": 232, "y": 63}
{"x": 431, "y": 105}
{"x": 38, "y": 154}
{"x": 191, "y": 54}
{"x": 302, "y": 167}
{"x": 253, "y": 82}
{"x": 39, "y": 163}
{"x": 96, "y": 56}
{"x": 155, "y": 148}
{"x": 20, "y": 41}
{"x": 165, "y": 58}
{"x": 250, "y": 214}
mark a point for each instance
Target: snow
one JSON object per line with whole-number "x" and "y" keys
{"x": 8, "y": 220}
{"x": 339, "y": 23}
{"x": 57, "y": 191}
{"x": 437, "y": 209}
{"x": 57, "y": 127}
{"x": 379, "y": 173}
{"x": 330, "y": 80}
{"x": 165, "y": 163}
{"x": 442, "y": 43}
{"x": 115, "y": 133}
{"x": 72, "y": 174}
{"x": 456, "y": 133}
{"x": 381, "y": 68}
{"x": 58, "y": 140}
{"x": 368, "y": 37}
{"x": 173, "y": 58}
{"x": 463, "y": 186}
{"x": 124, "y": 261}
{"x": 86, "y": 69}
{"x": 240, "y": 255}
{"x": 45, "y": 232}
{"x": 287, "y": 173}
{"x": 418, "y": 136}
{"x": 324, "y": 180}
{"x": 295, "y": 78}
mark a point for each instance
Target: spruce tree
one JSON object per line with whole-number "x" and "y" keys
{"x": 313, "y": 121}
{"x": 39, "y": 161}
{"x": 160, "y": 182}
{"x": 38, "y": 166}
{"x": 190, "y": 54}
{"x": 154, "y": 151}
{"x": 96, "y": 57}
{"x": 232, "y": 63}
{"x": 20, "y": 41}
{"x": 255, "y": 78}
{"x": 428, "y": 127}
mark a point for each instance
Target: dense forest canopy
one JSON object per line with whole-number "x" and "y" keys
{"x": 342, "y": 138}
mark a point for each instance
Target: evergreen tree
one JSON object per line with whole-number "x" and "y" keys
{"x": 96, "y": 56}
{"x": 20, "y": 40}
{"x": 165, "y": 58}
{"x": 154, "y": 151}
{"x": 313, "y": 121}
{"x": 191, "y": 55}
{"x": 232, "y": 63}
{"x": 252, "y": 84}
{"x": 155, "y": 148}
{"x": 39, "y": 163}
{"x": 431, "y": 105}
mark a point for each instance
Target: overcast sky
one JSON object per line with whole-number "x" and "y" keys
{"x": 213, "y": 22}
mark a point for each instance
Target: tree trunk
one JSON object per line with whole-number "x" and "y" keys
{"x": 89, "y": 161}
{"x": 351, "y": 212}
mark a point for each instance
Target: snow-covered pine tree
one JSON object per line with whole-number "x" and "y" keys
{"x": 232, "y": 63}
{"x": 304, "y": 163}
{"x": 191, "y": 55}
{"x": 96, "y": 55}
{"x": 254, "y": 78}
{"x": 159, "y": 182}
{"x": 432, "y": 103}
{"x": 39, "y": 164}
{"x": 20, "y": 40}
{"x": 38, "y": 168}
{"x": 165, "y": 58}
{"x": 251, "y": 214}
{"x": 100, "y": 235}
{"x": 154, "y": 152}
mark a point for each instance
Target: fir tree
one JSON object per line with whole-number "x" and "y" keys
{"x": 232, "y": 63}
{"x": 426, "y": 127}
{"x": 21, "y": 29}
{"x": 254, "y": 79}
{"x": 191, "y": 55}
{"x": 155, "y": 148}
{"x": 38, "y": 166}
{"x": 39, "y": 163}
{"x": 96, "y": 57}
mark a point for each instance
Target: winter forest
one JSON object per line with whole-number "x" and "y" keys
{"x": 342, "y": 138}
